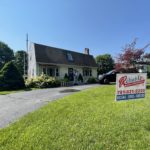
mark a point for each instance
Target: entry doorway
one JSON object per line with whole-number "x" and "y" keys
{"x": 71, "y": 74}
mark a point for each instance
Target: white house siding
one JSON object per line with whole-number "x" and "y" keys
{"x": 39, "y": 70}
{"x": 94, "y": 72}
{"x": 63, "y": 69}
{"x": 142, "y": 68}
{"x": 145, "y": 68}
{"x": 32, "y": 66}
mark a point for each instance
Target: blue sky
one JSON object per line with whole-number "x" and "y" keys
{"x": 104, "y": 26}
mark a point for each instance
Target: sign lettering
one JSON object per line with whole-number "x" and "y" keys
{"x": 130, "y": 86}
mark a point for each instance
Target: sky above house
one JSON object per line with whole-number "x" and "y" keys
{"x": 103, "y": 26}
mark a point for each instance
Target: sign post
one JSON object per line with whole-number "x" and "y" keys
{"x": 130, "y": 86}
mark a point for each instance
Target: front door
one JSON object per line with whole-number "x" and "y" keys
{"x": 70, "y": 74}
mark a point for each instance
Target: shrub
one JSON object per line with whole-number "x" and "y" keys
{"x": 80, "y": 78}
{"x": 91, "y": 80}
{"x": 42, "y": 81}
{"x": 148, "y": 75}
{"x": 66, "y": 78}
{"x": 10, "y": 78}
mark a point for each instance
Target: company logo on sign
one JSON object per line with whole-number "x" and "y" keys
{"x": 126, "y": 82}
{"x": 130, "y": 86}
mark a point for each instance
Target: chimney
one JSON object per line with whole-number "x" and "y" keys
{"x": 86, "y": 51}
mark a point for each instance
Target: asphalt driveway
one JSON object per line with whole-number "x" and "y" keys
{"x": 15, "y": 105}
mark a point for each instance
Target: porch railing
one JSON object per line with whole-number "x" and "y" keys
{"x": 70, "y": 83}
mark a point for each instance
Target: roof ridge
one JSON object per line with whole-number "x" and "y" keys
{"x": 62, "y": 49}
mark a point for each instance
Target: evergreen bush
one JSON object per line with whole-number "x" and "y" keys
{"x": 80, "y": 78}
{"x": 91, "y": 80}
{"x": 66, "y": 78}
{"x": 10, "y": 78}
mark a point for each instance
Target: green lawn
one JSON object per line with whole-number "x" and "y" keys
{"x": 15, "y": 91}
{"x": 88, "y": 120}
{"x": 148, "y": 81}
{"x": 6, "y": 92}
{"x": 9, "y": 92}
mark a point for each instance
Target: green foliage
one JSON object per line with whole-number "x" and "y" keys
{"x": 87, "y": 120}
{"x": 91, "y": 80}
{"x": 10, "y": 78}
{"x": 148, "y": 71}
{"x": 6, "y": 54}
{"x": 148, "y": 75}
{"x": 66, "y": 78}
{"x": 105, "y": 63}
{"x": 80, "y": 78}
{"x": 42, "y": 81}
{"x": 148, "y": 68}
{"x": 20, "y": 61}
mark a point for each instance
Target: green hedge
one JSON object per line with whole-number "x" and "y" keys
{"x": 148, "y": 75}
{"x": 42, "y": 81}
{"x": 80, "y": 78}
{"x": 10, "y": 78}
{"x": 91, "y": 80}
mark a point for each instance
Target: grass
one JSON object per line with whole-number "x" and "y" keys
{"x": 6, "y": 92}
{"x": 15, "y": 91}
{"x": 148, "y": 81}
{"x": 88, "y": 120}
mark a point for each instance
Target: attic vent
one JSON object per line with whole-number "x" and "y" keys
{"x": 69, "y": 57}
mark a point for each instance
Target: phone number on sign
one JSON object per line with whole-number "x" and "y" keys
{"x": 122, "y": 92}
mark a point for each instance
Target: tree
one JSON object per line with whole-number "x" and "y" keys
{"x": 21, "y": 61}
{"x": 6, "y": 54}
{"x": 130, "y": 55}
{"x": 80, "y": 78}
{"x": 105, "y": 63}
{"x": 10, "y": 78}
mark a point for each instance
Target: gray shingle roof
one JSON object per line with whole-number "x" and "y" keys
{"x": 52, "y": 55}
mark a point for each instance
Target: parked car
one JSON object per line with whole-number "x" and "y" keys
{"x": 108, "y": 77}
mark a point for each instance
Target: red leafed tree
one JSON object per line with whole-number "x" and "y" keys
{"x": 130, "y": 55}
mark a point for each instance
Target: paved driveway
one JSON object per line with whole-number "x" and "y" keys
{"x": 13, "y": 106}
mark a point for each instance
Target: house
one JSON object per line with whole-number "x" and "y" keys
{"x": 57, "y": 62}
{"x": 143, "y": 67}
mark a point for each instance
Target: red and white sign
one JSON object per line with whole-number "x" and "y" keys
{"x": 130, "y": 86}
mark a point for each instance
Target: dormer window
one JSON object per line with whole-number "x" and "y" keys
{"x": 69, "y": 57}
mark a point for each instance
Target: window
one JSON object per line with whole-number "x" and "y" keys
{"x": 51, "y": 72}
{"x": 71, "y": 74}
{"x": 87, "y": 72}
{"x": 69, "y": 57}
{"x": 90, "y": 72}
{"x": 44, "y": 70}
{"x": 57, "y": 72}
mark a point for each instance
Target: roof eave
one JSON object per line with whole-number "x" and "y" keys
{"x": 43, "y": 63}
